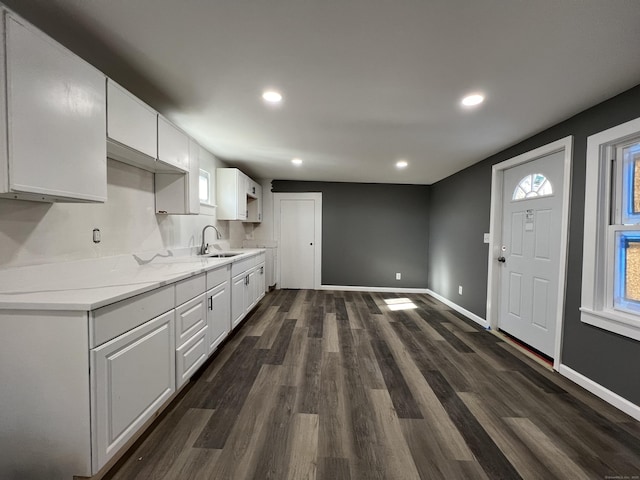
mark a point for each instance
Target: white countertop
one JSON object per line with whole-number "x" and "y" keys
{"x": 94, "y": 283}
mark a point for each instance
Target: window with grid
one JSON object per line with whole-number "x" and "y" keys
{"x": 625, "y": 227}
{"x": 611, "y": 262}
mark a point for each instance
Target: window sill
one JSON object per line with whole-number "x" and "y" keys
{"x": 612, "y": 321}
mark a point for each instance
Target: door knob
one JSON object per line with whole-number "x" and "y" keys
{"x": 502, "y": 259}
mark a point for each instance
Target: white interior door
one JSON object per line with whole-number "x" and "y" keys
{"x": 298, "y": 218}
{"x": 530, "y": 251}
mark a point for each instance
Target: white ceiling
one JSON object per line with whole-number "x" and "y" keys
{"x": 365, "y": 82}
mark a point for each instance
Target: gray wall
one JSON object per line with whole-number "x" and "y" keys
{"x": 370, "y": 232}
{"x": 459, "y": 207}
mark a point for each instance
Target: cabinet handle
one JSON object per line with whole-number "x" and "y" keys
{"x": 211, "y": 303}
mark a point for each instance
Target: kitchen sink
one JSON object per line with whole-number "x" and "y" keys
{"x": 222, "y": 255}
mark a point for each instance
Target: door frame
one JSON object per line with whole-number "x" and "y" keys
{"x": 317, "y": 242}
{"x": 495, "y": 236}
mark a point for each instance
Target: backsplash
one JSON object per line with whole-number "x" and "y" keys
{"x": 34, "y": 233}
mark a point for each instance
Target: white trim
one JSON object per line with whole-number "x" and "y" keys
{"x": 597, "y": 268}
{"x": 611, "y": 321}
{"x": 458, "y": 308}
{"x": 495, "y": 235}
{"x": 604, "y": 393}
{"x": 317, "y": 198}
{"x": 353, "y": 288}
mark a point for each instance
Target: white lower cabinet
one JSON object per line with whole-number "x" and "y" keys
{"x": 98, "y": 377}
{"x": 239, "y": 296}
{"x": 132, "y": 376}
{"x": 247, "y": 288}
{"x": 218, "y": 315}
{"x": 252, "y": 288}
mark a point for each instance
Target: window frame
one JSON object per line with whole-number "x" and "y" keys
{"x": 204, "y": 173}
{"x": 602, "y": 221}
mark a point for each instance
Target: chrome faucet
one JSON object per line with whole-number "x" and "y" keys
{"x": 204, "y": 247}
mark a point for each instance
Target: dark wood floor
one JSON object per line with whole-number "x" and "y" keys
{"x": 334, "y": 385}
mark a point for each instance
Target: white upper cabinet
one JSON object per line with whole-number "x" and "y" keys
{"x": 54, "y": 119}
{"x": 132, "y": 127}
{"x": 178, "y": 193}
{"x": 254, "y": 202}
{"x": 173, "y": 145}
{"x": 234, "y": 192}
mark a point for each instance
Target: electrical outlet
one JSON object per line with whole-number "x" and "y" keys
{"x": 459, "y": 289}
{"x": 398, "y": 276}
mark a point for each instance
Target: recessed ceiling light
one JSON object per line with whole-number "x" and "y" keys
{"x": 297, "y": 161}
{"x": 472, "y": 100}
{"x": 272, "y": 96}
{"x": 402, "y": 163}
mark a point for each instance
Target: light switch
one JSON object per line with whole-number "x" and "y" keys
{"x": 486, "y": 238}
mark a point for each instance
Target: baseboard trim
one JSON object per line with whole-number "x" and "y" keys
{"x": 351, "y": 288}
{"x": 459, "y": 309}
{"x": 598, "y": 390}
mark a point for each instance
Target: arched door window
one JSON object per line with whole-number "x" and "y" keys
{"x": 533, "y": 185}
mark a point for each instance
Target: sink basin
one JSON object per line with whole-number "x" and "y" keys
{"x": 222, "y": 255}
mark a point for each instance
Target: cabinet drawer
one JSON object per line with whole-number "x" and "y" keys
{"x": 190, "y": 317}
{"x": 242, "y": 266}
{"x": 217, "y": 276}
{"x": 190, "y": 288}
{"x": 115, "y": 319}
{"x": 190, "y": 356}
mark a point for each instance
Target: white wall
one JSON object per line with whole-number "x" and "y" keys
{"x": 33, "y": 232}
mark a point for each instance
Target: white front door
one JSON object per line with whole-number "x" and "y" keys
{"x": 530, "y": 251}
{"x": 298, "y": 220}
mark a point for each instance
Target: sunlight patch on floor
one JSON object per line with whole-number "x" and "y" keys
{"x": 400, "y": 304}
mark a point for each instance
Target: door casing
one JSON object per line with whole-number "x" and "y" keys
{"x": 495, "y": 235}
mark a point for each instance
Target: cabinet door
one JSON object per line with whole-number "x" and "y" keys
{"x": 56, "y": 118}
{"x": 178, "y": 193}
{"x": 132, "y": 376}
{"x": 252, "y": 288}
{"x": 194, "y": 177}
{"x": 254, "y": 205}
{"x": 262, "y": 284}
{"x": 130, "y": 121}
{"x": 173, "y": 145}
{"x": 238, "y": 299}
{"x": 218, "y": 315}
{"x": 243, "y": 181}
